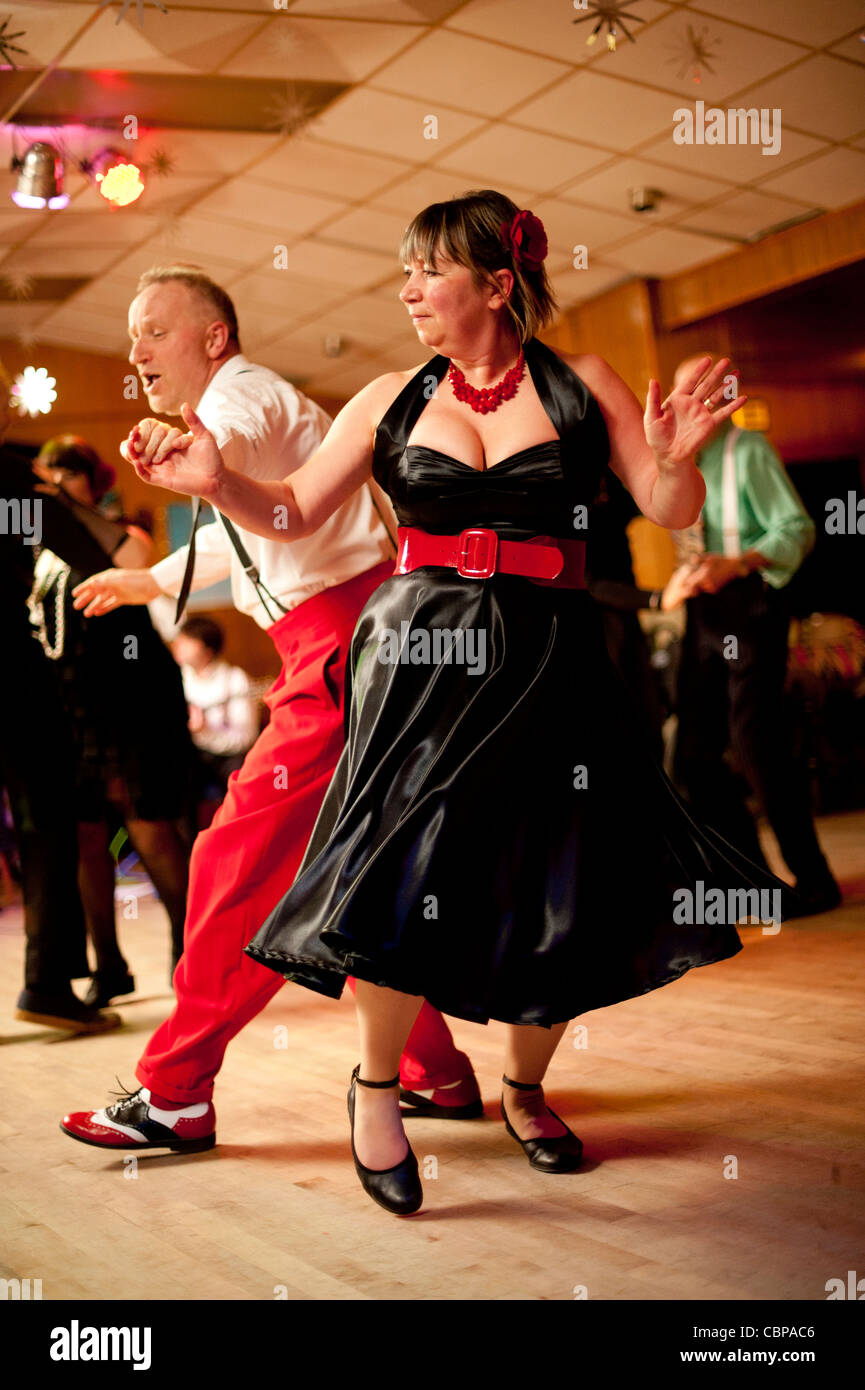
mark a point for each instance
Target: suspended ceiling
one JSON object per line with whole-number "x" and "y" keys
{"x": 304, "y": 127}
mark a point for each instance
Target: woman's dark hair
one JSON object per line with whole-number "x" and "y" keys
{"x": 204, "y": 630}
{"x": 73, "y": 453}
{"x": 468, "y": 229}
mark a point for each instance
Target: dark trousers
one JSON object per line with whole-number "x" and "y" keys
{"x": 37, "y": 768}
{"x": 731, "y": 695}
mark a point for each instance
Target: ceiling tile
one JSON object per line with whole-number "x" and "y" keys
{"x": 293, "y": 296}
{"x": 610, "y": 188}
{"x": 312, "y": 164}
{"x": 738, "y": 56}
{"x": 421, "y": 11}
{"x": 318, "y": 50}
{"x": 203, "y": 241}
{"x": 542, "y": 28}
{"x": 735, "y": 163}
{"x": 104, "y": 227}
{"x": 371, "y": 318}
{"x": 427, "y": 186}
{"x": 367, "y": 227}
{"x": 602, "y": 109}
{"x": 831, "y": 180}
{"x": 571, "y": 286}
{"x": 854, "y": 47}
{"x": 568, "y": 225}
{"x": 179, "y": 42}
{"x": 288, "y": 213}
{"x": 435, "y": 69}
{"x": 337, "y": 265}
{"x": 792, "y": 19}
{"x": 382, "y": 124}
{"x": 205, "y": 152}
{"x": 537, "y": 162}
{"x": 746, "y": 215}
{"x": 42, "y": 260}
{"x": 823, "y": 95}
{"x": 666, "y": 252}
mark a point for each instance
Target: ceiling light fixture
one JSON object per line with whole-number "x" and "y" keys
{"x": 33, "y": 392}
{"x": 117, "y": 178}
{"x": 40, "y": 178}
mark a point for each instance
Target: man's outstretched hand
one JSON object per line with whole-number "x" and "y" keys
{"x": 166, "y": 457}
{"x": 110, "y": 589}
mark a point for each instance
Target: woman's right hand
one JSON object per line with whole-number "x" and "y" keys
{"x": 166, "y": 457}
{"x": 110, "y": 589}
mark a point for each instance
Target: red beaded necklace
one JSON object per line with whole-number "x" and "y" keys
{"x": 488, "y": 398}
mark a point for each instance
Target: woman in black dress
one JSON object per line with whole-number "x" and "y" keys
{"x": 123, "y": 694}
{"x": 496, "y": 838}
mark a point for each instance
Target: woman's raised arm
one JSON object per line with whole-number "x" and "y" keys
{"x": 654, "y": 453}
{"x": 284, "y": 509}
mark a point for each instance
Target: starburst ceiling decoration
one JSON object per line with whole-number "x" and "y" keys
{"x": 692, "y": 52}
{"x": 288, "y": 39}
{"x": 613, "y": 14}
{"x": 171, "y": 231}
{"x": 160, "y": 163}
{"x": 125, "y": 4}
{"x": 289, "y": 111}
{"x": 7, "y": 47}
{"x": 19, "y": 283}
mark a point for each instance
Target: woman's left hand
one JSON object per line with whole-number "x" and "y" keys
{"x": 677, "y": 428}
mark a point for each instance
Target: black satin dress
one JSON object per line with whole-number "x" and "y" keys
{"x": 499, "y": 841}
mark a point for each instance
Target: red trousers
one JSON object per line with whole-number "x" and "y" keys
{"x": 248, "y": 857}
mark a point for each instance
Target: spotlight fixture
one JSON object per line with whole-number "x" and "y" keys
{"x": 40, "y": 178}
{"x": 117, "y": 178}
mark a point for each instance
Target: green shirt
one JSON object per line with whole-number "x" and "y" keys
{"x": 772, "y": 518}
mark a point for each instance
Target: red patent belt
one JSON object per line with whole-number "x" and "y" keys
{"x": 478, "y": 553}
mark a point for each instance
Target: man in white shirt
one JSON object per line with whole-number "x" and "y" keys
{"x": 307, "y": 595}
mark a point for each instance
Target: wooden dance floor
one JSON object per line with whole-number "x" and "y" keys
{"x": 721, "y": 1116}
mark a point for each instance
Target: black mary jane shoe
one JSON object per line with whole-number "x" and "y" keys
{"x": 397, "y": 1189}
{"x": 562, "y": 1154}
{"x": 105, "y": 986}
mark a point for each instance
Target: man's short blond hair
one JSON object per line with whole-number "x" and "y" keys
{"x": 200, "y": 283}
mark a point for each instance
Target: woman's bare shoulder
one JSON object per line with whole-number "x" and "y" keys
{"x": 378, "y": 395}
{"x": 589, "y": 366}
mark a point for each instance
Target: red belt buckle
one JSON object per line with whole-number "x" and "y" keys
{"x": 483, "y": 545}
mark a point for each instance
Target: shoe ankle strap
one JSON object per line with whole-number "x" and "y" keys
{"x": 373, "y": 1085}
{"x": 523, "y": 1085}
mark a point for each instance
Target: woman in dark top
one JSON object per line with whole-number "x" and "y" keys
{"x": 124, "y": 695}
{"x": 496, "y": 838}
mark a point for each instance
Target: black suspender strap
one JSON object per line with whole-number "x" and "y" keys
{"x": 250, "y": 570}
{"x": 243, "y": 556}
{"x": 186, "y": 582}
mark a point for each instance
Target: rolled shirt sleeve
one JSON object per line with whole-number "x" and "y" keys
{"x": 212, "y": 561}
{"x": 778, "y": 526}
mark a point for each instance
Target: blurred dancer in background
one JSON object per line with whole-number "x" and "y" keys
{"x": 755, "y": 535}
{"x": 124, "y": 698}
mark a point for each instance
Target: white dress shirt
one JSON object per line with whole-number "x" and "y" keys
{"x": 266, "y": 429}
{"x": 222, "y": 694}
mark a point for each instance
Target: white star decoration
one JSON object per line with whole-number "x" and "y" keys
{"x": 125, "y": 4}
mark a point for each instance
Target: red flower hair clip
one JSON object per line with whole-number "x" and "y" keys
{"x": 526, "y": 240}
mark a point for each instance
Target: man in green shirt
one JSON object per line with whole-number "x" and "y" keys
{"x": 755, "y": 535}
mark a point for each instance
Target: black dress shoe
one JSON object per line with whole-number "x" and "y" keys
{"x": 106, "y": 985}
{"x": 562, "y": 1154}
{"x": 63, "y": 1011}
{"x": 397, "y": 1189}
{"x": 809, "y": 899}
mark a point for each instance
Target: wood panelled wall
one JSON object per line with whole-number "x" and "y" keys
{"x": 642, "y": 328}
